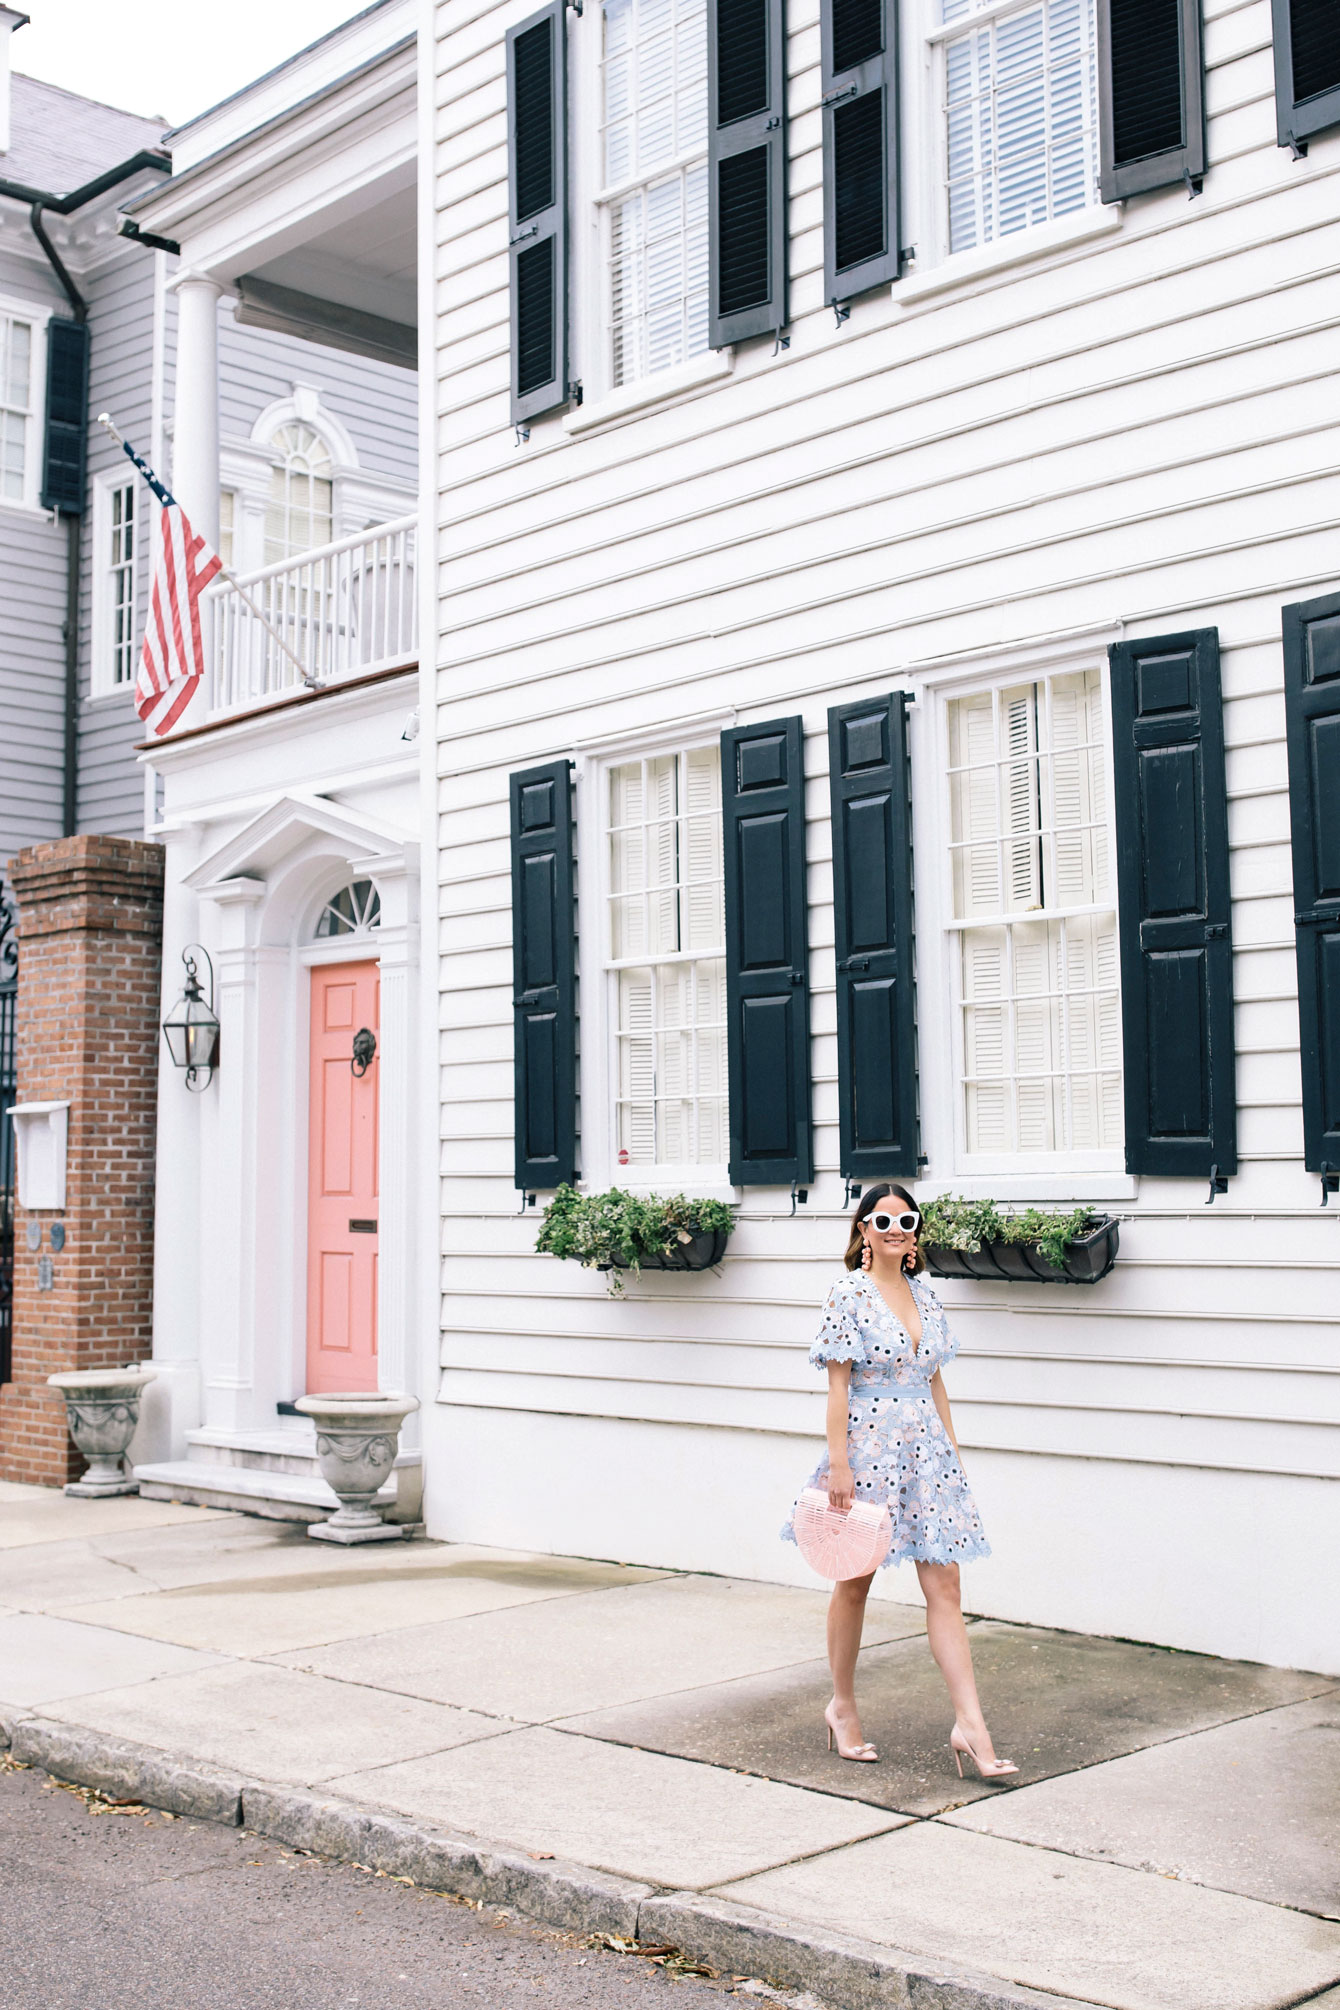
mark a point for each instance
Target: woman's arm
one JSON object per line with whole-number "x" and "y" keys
{"x": 942, "y": 1405}
{"x": 840, "y": 1484}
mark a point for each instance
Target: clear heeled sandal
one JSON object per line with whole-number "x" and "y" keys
{"x": 988, "y": 1769}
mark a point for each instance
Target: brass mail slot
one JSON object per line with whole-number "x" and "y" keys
{"x": 362, "y": 1228}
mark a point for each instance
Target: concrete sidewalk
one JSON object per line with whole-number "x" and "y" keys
{"x": 642, "y": 1752}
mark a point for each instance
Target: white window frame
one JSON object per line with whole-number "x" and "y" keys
{"x": 14, "y": 309}
{"x": 1039, "y": 1176}
{"x": 591, "y": 333}
{"x": 599, "y": 1063}
{"x": 102, "y": 682}
{"x": 228, "y": 531}
{"x": 359, "y": 499}
{"x": 930, "y": 147}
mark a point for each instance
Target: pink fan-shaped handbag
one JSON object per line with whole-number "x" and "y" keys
{"x": 841, "y": 1545}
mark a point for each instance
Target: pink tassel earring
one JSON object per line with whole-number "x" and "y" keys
{"x": 865, "y": 1256}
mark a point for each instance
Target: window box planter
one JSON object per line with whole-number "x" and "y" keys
{"x": 699, "y": 1252}
{"x": 617, "y": 1231}
{"x": 1088, "y": 1256}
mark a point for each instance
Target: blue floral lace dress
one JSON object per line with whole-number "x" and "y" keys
{"x": 899, "y": 1450}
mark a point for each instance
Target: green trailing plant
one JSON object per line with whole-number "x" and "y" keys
{"x": 618, "y": 1231}
{"x": 952, "y": 1223}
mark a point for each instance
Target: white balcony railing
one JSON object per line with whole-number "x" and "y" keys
{"x": 342, "y": 609}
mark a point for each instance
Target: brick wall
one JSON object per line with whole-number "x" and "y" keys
{"x": 90, "y": 934}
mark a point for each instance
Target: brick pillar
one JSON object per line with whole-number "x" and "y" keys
{"x": 90, "y": 936}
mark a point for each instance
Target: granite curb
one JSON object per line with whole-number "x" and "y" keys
{"x": 856, "y": 1974}
{"x": 847, "y": 1973}
{"x": 559, "y": 1893}
{"x": 128, "y": 1772}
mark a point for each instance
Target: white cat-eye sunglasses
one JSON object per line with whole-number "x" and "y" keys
{"x": 882, "y": 1223}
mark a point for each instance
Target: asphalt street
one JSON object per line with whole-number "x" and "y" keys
{"x": 103, "y": 1907}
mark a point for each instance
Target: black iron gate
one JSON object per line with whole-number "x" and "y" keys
{"x": 9, "y": 972}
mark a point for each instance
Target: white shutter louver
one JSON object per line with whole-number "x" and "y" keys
{"x": 1022, "y": 118}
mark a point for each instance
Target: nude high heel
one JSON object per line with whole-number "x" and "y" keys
{"x": 864, "y": 1752}
{"x": 992, "y": 1769}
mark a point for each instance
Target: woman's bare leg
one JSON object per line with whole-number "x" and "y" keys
{"x": 846, "y": 1615}
{"x": 948, "y": 1638}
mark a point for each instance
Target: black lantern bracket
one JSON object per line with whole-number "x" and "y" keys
{"x": 191, "y": 1028}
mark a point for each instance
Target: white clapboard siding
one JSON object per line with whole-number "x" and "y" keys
{"x": 1137, "y": 432}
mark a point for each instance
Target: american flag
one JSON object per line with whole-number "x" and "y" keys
{"x": 173, "y": 660}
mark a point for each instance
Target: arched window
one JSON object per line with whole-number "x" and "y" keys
{"x": 354, "y": 910}
{"x": 299, "y": 513}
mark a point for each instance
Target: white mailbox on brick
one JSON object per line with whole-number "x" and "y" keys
{"x": 40, "y": 1132}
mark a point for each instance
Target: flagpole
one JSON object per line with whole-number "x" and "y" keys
{"x": 168, "y": 501}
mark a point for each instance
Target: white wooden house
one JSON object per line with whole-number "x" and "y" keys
{"x": 801, "y": 369}
{"x": 286, "y": 798}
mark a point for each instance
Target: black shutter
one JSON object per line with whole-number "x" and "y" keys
{"x": 859, "y": 42}
{"x": 1151, "y": 95}
{"x": 767, "y": 975}
{"x": 544, "y": 981}
{"x": 537, "y": 213}
{"x": 872, "y": 921}
{"x": 67, "y": 417}
{"x": 1307, "y": 69}
{"x": 1172, "y": 878}
{"x": 746, "y": 167}
{"x": 1312, "y": 711}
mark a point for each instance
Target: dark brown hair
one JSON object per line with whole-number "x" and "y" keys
{"x": 872, "y": 1195}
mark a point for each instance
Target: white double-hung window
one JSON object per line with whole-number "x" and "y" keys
{"x": 16, "y": 385}
{"x": 665, "y": 959}
{"x": 120, "y": 561}
{"x": 1019, "y": 103}
{"x": 299, "y": 512}
{"x": 113, "y": 659}
{"x": 654, "y": 184}
{"x": 1033, "y": 926}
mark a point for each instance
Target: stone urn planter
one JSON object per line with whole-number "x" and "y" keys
{"x": 102, "y": 1408}
{"x": 356, "y": 1439}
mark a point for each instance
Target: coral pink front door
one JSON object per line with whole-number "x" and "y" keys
{"x": 342, "y": 1184}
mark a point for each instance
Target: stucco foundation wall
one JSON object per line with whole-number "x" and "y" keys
{"x": 1213, "y": 1563}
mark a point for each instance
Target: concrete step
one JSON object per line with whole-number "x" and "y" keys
{"x": 286, "y": 1448}
{"x": 279, "y": 1496}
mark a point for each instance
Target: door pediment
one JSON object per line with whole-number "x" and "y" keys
{"x": 263, "y": 845}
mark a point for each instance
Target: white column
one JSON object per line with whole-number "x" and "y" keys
{"x": 228, "y": 1166}
{"x": 195, "y": 443}
{"x": 195, "y": 440}
{"x": 395, "y": 876}
{"x": 171, "y": 1405}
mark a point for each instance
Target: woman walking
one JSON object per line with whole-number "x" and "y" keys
{"x": 891, "y": 1442}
